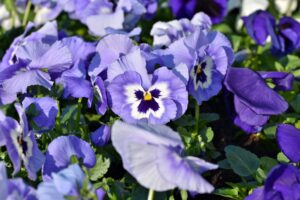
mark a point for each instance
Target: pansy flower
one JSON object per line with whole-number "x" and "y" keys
{"x": 254, "y": 100}
{"x": 70, "y": 182}
{"x": 21, "y": 144}
{"x": 283, "y": 182}
{"x": 164, "y": 33}
{"x": 110, "y": 49}
{"x": 207, "y": 55}
{"x": 14, "y": 188}
{"x": 153, "y": 155}
{"x": 284, "y": 35}
{"x": 36, "y": 61}
{"x": 135, "y": 96}
{"x": 60, "y": 151}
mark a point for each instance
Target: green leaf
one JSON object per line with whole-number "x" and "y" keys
{"x": 100, "y": 169}
{"x": 224, "y": 164}
{"x": 232, "y": 193}
{"x": 282, "y": 158}
{"x": 209, "y": 117}
{"x": 243, "y": 162}
{"x": 207, "y": 135}
{"x": 296, "y": 103}
{"x": 270, "y": 130}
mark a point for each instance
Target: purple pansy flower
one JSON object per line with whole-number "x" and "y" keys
{"x": 34, "y": 58}
{"x": 137, "y": 97}
{"x": 216, "y": 9}
{"x": 258, "y": 25}
{"x": 110, "y": 49}
{"x": 21, "y": 144}
{"x": 283, "y": 182}
{"x": 61, "y": 149}
{"x": 69, "y": 182}
{"x": 207, "y": 55}
{"x": 164, "y": 33}
{"x": 285, "y": 35}
{"x": 45, "y": 109}
{"x": 254, "y": 101}
{"x": 101, "y": 136}
{"x": 288, "y": 138}
{"x": 152, "y": 154}
{"x": 14, "y": 188}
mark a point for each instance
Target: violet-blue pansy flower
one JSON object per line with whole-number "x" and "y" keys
{"x": 254, "y": 100}
{"x": 164, "y": 33}
{"x": 21, "y": 144}
{"x": 288, "y": 138}
{"x": 101, "y": 136}
{"x": 153, "y": 155}
{"x": 14, "y": 188}
{"x": 45, "y": 111}
{"x": 216, "y": 9}
{"x": 70, "y": 182}
{"x": 283, "y": 182}
{"x": 60, "y": 151}
{"x": 34, "y": 58}
{"x": 135, "y": 96}
{"x": 284, "y": 35}
{"x": 207, "y": 55}
{"x": 258, "y": 25}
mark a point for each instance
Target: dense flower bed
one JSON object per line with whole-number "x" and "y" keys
{"x": 149, "y": 99}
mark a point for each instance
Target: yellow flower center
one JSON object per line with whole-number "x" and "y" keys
{"x": 199, "y": 69}
{"x": 147, "y": 96}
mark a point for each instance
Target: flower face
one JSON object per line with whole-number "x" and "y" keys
{"x": 162, "y": 101}
{"x": 201, "y": 73}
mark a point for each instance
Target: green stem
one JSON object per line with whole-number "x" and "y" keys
{"x": 78, "y": 113}
{"x": 151, "y": 195}
{"x": 58, "y": 118}
{"x": 27, "y": 12}
{"x": 197, "y": 113}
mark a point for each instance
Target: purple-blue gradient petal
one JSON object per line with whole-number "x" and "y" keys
{"x": 101, "y": 136}
{"x": 152, "y": 156}
{"x": 47, "y": 110}
{"x": 251, "y": 89}
{"x": 282, "y": 80}
{"x": 256, "y": 25}
{"x": 61, "y": 149}
{"x": 288, "y": 138}
{"x": 257, "y": 194}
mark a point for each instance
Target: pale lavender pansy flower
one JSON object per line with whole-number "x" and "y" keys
{"x": 282, "y": 183}
{"x": 60, "y": 151}
{"x": 21, "y": 144}
{"x": 34, "y": 59}
{"x": 135, "y": 96}
{"x": 70, "y": 182}
{"x": 101, "y": 136}
{"x": 110, "y": 49}
{"x": 14, "y": 188}
{"x": 254, "y": 100}
{"x": 208, "y": 56}
{"x": 45, "y": 111}
{"x": 164, "y": 33}
{"x": 152, "y": 154}
{"x": 76, "y": 82}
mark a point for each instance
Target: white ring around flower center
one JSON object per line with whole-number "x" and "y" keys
{"x": 131, "y": 98}
{"x": 208, "y": 73}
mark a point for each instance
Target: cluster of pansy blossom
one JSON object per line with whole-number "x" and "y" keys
{"x": 138, "y": 93}
{"x": 284, "y": 35}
